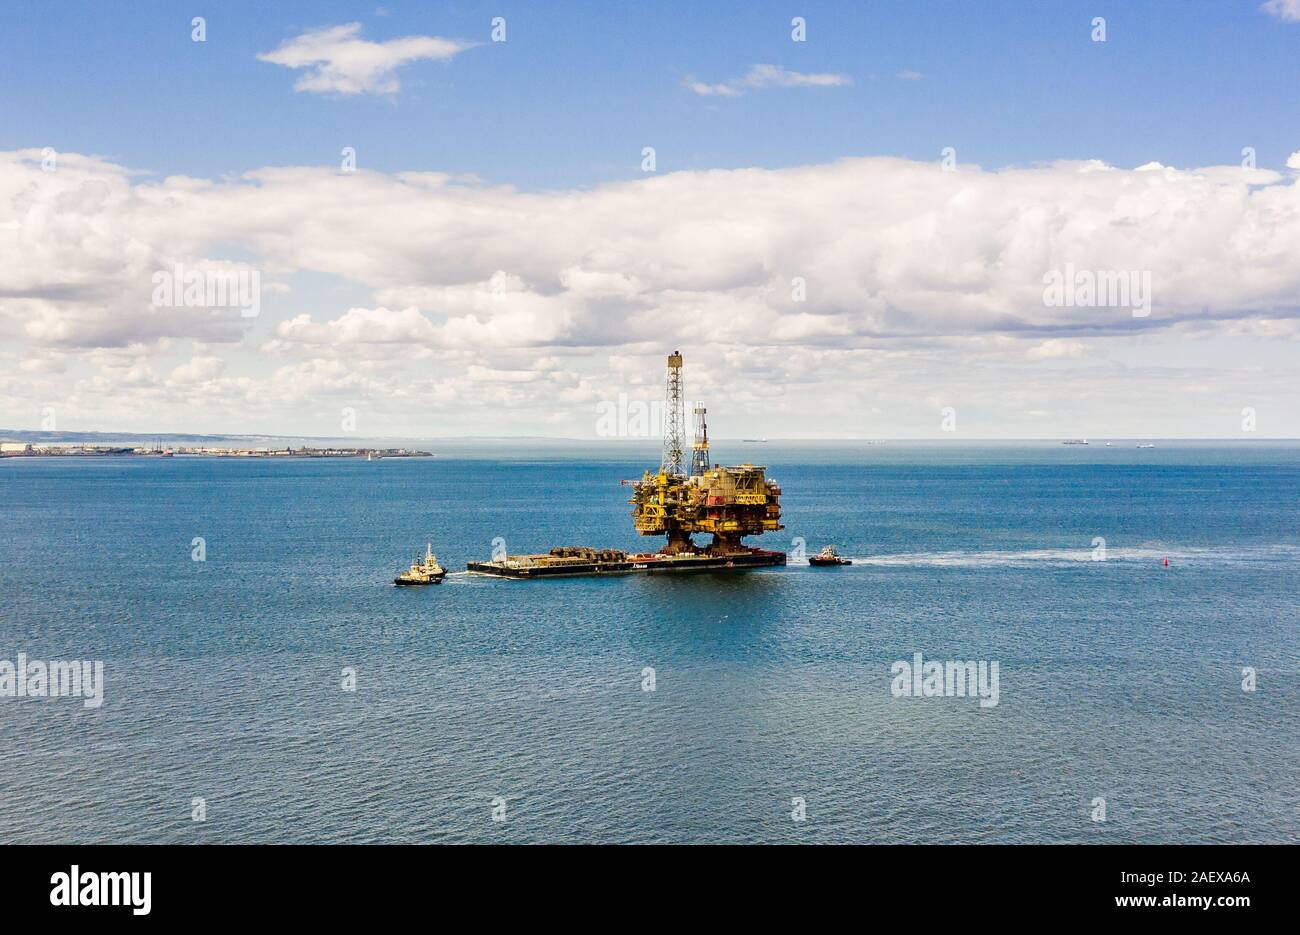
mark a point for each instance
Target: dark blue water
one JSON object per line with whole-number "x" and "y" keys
{"x": 1119, "y": 679}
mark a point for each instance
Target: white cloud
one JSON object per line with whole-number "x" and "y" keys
{"x": 199, "y": 370}
{"x": 1056, "y": 349}
{"x": 311, "y": 379}
{"x": 341, "y": 62}
{"x": 1288, "y": 11}
{"x": 1293, "y": 160}
{"x": 908, "y": 75}
{"x": 919, "y": 283}
{"x": 360, "y": 326}
{"x": 768, "y": 76}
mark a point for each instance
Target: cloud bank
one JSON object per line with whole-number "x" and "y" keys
{"x": 861, "y": 267}
{"x": 885, "y": 248}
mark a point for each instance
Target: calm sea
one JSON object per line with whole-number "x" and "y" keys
{"x": 1119, "y": 679}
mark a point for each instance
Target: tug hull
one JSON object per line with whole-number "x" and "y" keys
{"x": 406, "y": 581}
{"x": 549, "y": 566}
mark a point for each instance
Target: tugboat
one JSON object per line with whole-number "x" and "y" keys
{"x": 427, "y": 571}
{"x": 828, "y": 556}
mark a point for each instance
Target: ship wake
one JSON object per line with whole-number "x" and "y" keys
{"x": 1178, "y": 556}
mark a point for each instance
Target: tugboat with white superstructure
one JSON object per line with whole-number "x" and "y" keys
{"x": 421, "y": 572}
{"x": 828, "y": 556}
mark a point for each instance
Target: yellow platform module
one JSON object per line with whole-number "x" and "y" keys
{"x": 726, "y": 502}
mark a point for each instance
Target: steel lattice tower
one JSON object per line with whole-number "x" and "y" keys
{"x": 674, "y": 419}
{"x": 700, "y": 450}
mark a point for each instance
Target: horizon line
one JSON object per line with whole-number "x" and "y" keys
{"x": 47, "y": 433}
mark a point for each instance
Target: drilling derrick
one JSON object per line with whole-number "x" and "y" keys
{"x": 729, "y": 502}
{"x": 674, "y": 419}
{"x": 700, "y": 450}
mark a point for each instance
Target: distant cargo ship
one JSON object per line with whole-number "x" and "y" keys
{"x": 1075, "y": 441}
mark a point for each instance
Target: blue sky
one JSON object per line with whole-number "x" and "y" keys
{"x": 579, "y": 88}
{"x": 502, "y": 254}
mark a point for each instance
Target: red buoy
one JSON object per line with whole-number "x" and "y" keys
{"x": 1166, "y": 562}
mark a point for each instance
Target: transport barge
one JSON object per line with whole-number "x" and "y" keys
{"x": 573, "y": 561}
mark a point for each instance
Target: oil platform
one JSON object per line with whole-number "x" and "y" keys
{"x": 680, "y": 500}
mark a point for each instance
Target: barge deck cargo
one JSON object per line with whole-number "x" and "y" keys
{"x": 572, "y": 562}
